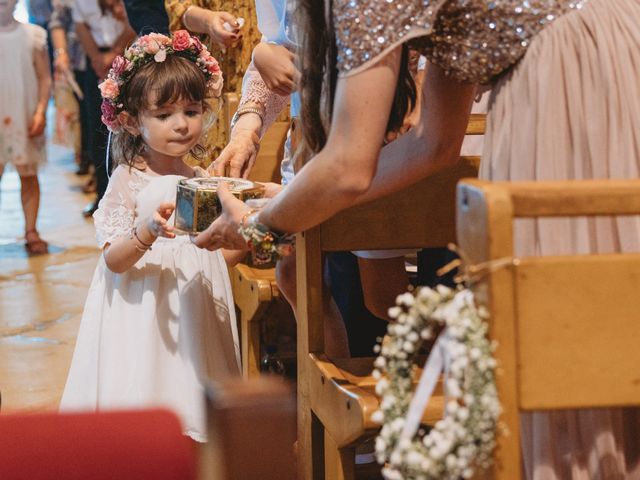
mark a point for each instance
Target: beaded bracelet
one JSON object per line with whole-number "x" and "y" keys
{"x": 265, "y": 245}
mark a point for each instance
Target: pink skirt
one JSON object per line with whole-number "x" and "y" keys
{"x": 571, "y": 110}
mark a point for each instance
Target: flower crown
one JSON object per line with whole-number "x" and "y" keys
{"x": 154, "y": 47}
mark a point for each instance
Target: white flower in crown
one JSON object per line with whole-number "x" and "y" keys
{"x": 160, "y": 56}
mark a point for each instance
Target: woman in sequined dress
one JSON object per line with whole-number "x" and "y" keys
{"x": 565, "y": 104}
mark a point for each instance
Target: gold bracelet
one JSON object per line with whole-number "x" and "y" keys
{"x": 242, "y": 110}
{"x": 247, "y": 214}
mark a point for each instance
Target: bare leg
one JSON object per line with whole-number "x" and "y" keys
{"x": 335, "y": 334}
{"x": 30, "y": 196}
{"x": 382, "y": 281}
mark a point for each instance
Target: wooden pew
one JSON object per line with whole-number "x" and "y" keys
{"x": 251, "y": 431}
{"x": 566, "y": 338}
{"x": 336, "y": 398}
{"x": 255, "y": 290}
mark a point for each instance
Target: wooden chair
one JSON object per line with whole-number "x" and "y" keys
{"x": 336, "y": 398}
{"x": 254, "y": 289}
{"x": 251, "y": 430}
{"x": 566, "y": 326}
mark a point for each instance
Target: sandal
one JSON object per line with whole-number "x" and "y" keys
{"x": 34, "y": 244}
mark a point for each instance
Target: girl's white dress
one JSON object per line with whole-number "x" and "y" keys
{"x": 149, "y": 336}
{"x": 19, "y": 98}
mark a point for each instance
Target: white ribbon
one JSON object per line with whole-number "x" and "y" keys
{"x": 437, "y": 362}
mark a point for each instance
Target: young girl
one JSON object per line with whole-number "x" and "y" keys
{"x": 159, "y": 316}
{"x": 25, "y": 83}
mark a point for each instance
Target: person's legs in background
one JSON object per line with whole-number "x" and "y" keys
{"x": 336, "y": 345}
{"x": 363, "y": 327}
{"x": 85, "y": 157}
{"x": 97, "y": 136}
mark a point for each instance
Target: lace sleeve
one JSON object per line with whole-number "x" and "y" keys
{"x": 254, "y": 90}
{"x": 116, "y": 211}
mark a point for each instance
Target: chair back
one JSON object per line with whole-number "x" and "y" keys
{"x": 420, "y": 216}
{"x": 566, "y": 326}
{"x": 252, "y": 431}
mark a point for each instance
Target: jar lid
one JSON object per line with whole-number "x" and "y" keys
{"x": 211, "y": 183}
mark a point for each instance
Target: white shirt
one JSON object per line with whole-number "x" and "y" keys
{"x": 104, "y": 28}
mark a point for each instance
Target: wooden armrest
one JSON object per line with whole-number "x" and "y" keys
{"x": 477, "y": 124}
{"x": 253, "y": 287}
{"x": 342, "y": 395}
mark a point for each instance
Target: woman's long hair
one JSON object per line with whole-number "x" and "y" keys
{"x": 317, "y": 62}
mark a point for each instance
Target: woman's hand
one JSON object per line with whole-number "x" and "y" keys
{"x": 37, "y": 124}
{"x": 157, "y": 223}
{"x": 223, "y": 232}
{"x": 277, "y": 68}
{"x": 217, "y": 31}
{"x": 239, "y": 154}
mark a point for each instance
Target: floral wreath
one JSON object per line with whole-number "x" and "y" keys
{"x": 465, "y": 438}
{"x": 154, "y": 47}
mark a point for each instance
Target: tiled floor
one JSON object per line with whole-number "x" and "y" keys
{"x": 41, "y": 298}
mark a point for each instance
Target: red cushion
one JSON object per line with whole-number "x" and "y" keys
{"x": 94, "y": 446}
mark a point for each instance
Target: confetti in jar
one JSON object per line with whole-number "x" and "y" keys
{"x": 197, "y": 203}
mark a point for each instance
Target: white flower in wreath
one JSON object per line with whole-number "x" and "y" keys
{"x": 464, "y": 439}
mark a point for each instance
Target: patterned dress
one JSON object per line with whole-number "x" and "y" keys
{"x": 233, "y": 60}
{"x": 565, "y": 105}
{"x": 19, "y": 98}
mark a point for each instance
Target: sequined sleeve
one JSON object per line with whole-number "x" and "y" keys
{"x": 472, "y": 40}
{"x": 254, "y": 90}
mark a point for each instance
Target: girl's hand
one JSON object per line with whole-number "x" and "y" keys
{"x": 37, "y": 124}
{"x": 157, "y": 223}
{"x": 277, "y": 68}
{"x": 223, "y": 232}
{"x": 218, "y": 33}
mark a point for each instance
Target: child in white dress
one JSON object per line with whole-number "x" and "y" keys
{"x": 25, "y": 83}
{"x": 159, "y": 316}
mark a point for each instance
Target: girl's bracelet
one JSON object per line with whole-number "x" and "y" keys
{"x": 143, "y": 247}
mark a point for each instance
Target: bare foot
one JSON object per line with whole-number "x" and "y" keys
{"x": 34, "y": 244}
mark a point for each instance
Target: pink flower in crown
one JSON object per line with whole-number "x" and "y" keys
{"x": 212, "y": 65}
{"x": 148, "y": 44}
{"x": 120, "y": 65}
{"x": 109, "y": 89}
{"x": 109, "y": 115}
{"x": 160, "y": 39}
{"x": 215, "y": 85}
{"x": 197, "y": 44}
{"x": 181, "y": 40}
